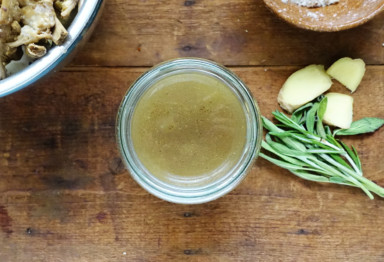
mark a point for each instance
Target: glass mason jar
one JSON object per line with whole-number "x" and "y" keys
{"x": 193, "y": 191}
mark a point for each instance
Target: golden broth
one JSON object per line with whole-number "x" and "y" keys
{"x": 188, "y": 125}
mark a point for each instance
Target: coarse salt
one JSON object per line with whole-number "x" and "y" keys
{"x": 313, "y": 15}
{"x": 312, "y": 3}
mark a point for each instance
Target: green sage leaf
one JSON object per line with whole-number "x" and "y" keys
{"x": 283, "y": 149}
{"x": 282, "y": 118}
{"x": 299, "y": 114}
{"x": 320, "y": 114}
{"x": 328, "y": 130}
{"x": 306, "y": 106}
{"x": 322, "y": 108}
{"x": 341, "y": 161}
{"x": 279, "y": 162}
{"x": 362, "y": 126}
{"x": 354, "y": 157}
{"x": 320, "y": 129}
{"x": 310, "y": 177}
{"x": 297, "y": 117}
{"x": 358, "y": 162}
{"x": 291, "y": 160}
{"x": 323, "y": 151}
{"x": 341, "y": 181}
{"x": 310, "y": 121}
{"x": 267, "y": 124}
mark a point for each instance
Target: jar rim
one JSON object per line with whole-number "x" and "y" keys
{"x": 174, "y": 193}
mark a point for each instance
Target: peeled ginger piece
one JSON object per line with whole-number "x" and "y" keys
{"x": 303, "y": 86}
{"x": 339, "y": 111}
{"x": 348, "y": 71}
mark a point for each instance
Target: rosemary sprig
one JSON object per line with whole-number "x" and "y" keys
{"x": 308, "y": 149}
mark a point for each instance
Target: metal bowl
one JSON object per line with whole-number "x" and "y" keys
{"x": 78, "y": 32}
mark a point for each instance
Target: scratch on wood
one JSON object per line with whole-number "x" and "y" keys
{"x": 306, "y": 232}
{"x": 194, "y": 47}
{"x": 116, "y": 166}
{"x": 189, "y": 252}
{"x": 101, "y": 217}
{"x": 51, "y": 142}
{"x": 5, "y": 221}
{"x": 108, "y": 184}
{"x": 60, "y": 182}
{"x": 187, "y": 48}
{"x": 81, "y": 164}
{"x": 43, "y": 234}
{"x": 189, "y": 2}
{"x": 190, "y": 214}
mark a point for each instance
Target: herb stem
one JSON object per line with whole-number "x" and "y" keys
{"x": 308, "y": 149}
{"x": 341, "y": 152}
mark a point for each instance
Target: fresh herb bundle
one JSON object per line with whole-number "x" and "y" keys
{"x": 308, "y": 149}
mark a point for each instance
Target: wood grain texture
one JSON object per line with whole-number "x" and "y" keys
{"x": 65, "y": 195}
{"x": 241, "y": 32}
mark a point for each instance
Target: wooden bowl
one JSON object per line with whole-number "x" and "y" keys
{"x": 340, "y": 16}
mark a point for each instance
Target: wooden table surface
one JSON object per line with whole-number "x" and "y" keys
{"x": 65, "y": 195}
